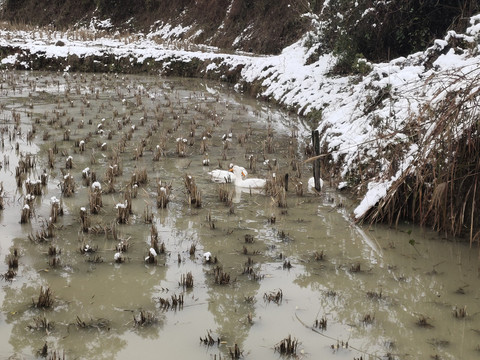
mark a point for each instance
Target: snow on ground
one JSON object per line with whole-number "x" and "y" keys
{"x": 356, "y": 119}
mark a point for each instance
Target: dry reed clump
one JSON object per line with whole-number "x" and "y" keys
{"x": 45, "y": 298}
{"x": 440, "y": 187}
{"x": 287, "y": 346}
{"x": 12, "y": 260}
{"x": 88, "y": 176}
{"x": 41, "y": 324}
{"x": 221, "y": 277}
{"x": 56, "y": 209}
{"x": 175, "y": 302}
{"x": 209, "y": 340}
{"x": 321, "y": 324}
{"x": 275, "y": 297}
{"x": 33, "y": 187}
{"x": 148, "y": 215}
{"x": 139, "y": 177}
{"x": 69, "y": 163}
{"x": 26, "y": 214}
{"x": 84, "y": 220}
{"x": 186, "y": 280}
{"x": 68, "y": 185}
{"x": 163, "y": 194}
{"x": 193, "y": 193}
{"x": 181, "y": 148}
{"x": 93, "y": 324}
{"x": 2, "y": 197}
{"x": 95, "y": 197}
{"x": 46, "y": 232}
{"x": 235, "y": 353}
{"x": 154, "y": 239}
{"x": 123, "y": 213}
{"x": 225, "y": 194}
{"x": 145, "y": 318}
{"x": 9, "y": 275}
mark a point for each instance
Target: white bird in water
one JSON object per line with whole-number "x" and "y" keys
{"x": 246, "y": 183}
{"x": 225, "y": 176}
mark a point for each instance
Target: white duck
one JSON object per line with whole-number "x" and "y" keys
{"x": 246, "y": 183}
{"x": 311, "y": 184}
{"x": 225, "y": 176}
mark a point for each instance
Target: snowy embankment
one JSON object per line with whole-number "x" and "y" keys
{"x": 361, "y": 116}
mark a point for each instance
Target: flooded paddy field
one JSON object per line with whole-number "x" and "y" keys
{"x": 108, "y": 159}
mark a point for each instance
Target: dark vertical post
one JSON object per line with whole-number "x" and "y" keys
{"x": 316, "y": 162}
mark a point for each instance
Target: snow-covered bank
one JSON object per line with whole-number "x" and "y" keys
{"x": 371, "y": 125}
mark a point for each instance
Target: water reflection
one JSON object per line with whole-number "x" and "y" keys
{"x": 373, "y": 286}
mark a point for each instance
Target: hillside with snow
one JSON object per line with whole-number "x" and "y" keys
{"x": 402, "y": 133}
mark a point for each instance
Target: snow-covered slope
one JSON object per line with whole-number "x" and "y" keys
{"x": 362, "y": 116}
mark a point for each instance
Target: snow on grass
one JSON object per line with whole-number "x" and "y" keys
{"x": 360, "y": 115}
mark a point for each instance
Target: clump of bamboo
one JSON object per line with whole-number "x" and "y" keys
{"x": 95, "y": 197}
{"x": 68, "y": 185}
{"x": 45, "y": 298}
{"x": 186, "y": 280}
{"x": 193, "y": 193}
{"x": 287, "y": 346}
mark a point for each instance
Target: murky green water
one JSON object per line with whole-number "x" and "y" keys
{"x": 391, "y": 294}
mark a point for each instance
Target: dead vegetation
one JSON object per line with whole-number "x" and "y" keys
{"x": 439, "y": 188}
{"x": 287, "y": 346}
{"x": 45, "y": 298}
